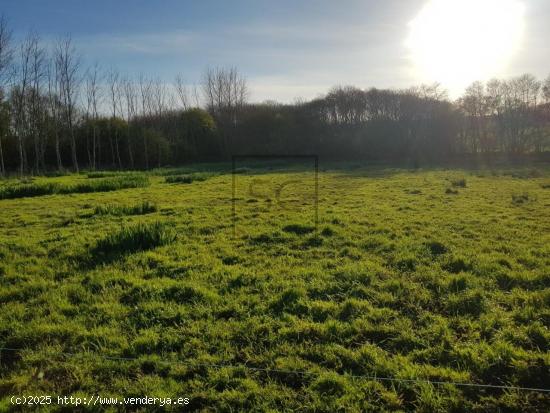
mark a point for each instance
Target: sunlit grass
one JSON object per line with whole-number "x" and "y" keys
{"x": 399, "y": 279}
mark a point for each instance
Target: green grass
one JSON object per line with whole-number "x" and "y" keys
{"x": 399, "y": 279}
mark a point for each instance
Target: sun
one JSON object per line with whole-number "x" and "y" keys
{"x": 456, "y": 42}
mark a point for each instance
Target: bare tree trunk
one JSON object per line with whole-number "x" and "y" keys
{"x": 113, "y": 160}
{"x": 94, "y": 147}
{"x": 73, "y": 149}
{"x": 145, "y": 150}
{"x": 22, "y": 154}
{"x": 36, "y": 152}
{"x": 67, "y": 63}
{"x": 88, "y": 151}
{"x": 2, "y": 167}
{"x": 57, "y": 150}
{"x": 130, "y": 152}
{"x": 117, "y": 151}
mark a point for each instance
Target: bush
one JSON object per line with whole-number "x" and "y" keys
{"x": 135, "y": 238}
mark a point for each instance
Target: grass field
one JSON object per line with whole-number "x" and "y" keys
{"x": 135, "y": 286}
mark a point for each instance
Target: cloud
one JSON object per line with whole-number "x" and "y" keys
{"x": 139, "y": 43}
{"x": 281, "y": 61}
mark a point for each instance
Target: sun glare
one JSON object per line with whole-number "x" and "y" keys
{"x": 456, "y": 42}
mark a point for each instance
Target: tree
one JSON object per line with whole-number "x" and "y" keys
{"x": 36, "y": 105}
{"x": 199, "y": 132}
{"x": 54, "y": 107}
{"x": 22, "y": 83}
{"x": 113, "y": 91}
{"x": 6, "y": 55}
{"x": 130, "y": 99}
{"x": 181, "y": 92}
{"x": 146, "y": 109}
{"x": 158, "y": 94}
{"x": 474, "y": 105}
{"x": 546, "y": 90}
{"x": 225, "y": 92}
{"x": 93, "y": 96}
{"x": 67, "y": 64}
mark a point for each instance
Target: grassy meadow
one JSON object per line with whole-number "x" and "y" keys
{"x": 133, "y": 284}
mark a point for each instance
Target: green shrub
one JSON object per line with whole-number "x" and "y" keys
{"x": 135, "y": 238}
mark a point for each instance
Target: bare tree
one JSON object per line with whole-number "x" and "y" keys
{"x": 54, "y": 107}
{"x": 6, "y": 55}
{"x": 181, "y": 91}
{"x": 93, "y": 96}
{"x": 145, "y": 95}
{"x": 546, "y": 90}
{"x": 225, "y": 92}
{"x": 474, "y": 105}
{"x": 67, "y": 63}
{"x": 113, "y": 91}
{"x": 22, "y": 83}
{"x": 158, "y": 94}
{"x": 36, "y": 107}
{"x": 130, "y": 99}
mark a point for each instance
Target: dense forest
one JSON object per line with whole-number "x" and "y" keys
{"x": 57, "y": 114}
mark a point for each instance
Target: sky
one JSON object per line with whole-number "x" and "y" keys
{"x": 286, "y": 49}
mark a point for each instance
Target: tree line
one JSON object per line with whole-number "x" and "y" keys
{"x": 56, "y": 114}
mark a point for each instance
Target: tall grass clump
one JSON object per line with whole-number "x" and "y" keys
{"x": 108, "y": 184}
{"x": 27, "y": 190}
{"x": 134, "y": 238}
{"x": 459, "y": 183}
{"x": 188, "y": 178}
{"x": 105, "y": 174}
{"x": 143, "y": 208}
{"x": 518, "y": 199}
{"x": 24, "y": 190}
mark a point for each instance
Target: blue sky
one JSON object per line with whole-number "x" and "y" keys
{"x": 286, "y": 49}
